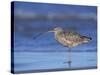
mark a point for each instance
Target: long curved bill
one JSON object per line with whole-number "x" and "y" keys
{"x": 51, "y": 31}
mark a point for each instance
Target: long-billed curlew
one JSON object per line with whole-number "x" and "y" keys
{"x": 69, "y": 39}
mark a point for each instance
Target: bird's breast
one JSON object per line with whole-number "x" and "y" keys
{"x": 69, "y": 42}
{"x": 62, "y": 40}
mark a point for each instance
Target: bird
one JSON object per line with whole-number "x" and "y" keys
{"x": 69, "y": 39}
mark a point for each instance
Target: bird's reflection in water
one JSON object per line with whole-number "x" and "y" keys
{"x": 69, "y": 64}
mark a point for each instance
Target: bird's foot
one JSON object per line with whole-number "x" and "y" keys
{"x": 68, "y": 62}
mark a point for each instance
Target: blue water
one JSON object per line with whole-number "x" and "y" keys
{"x": 44, "y": 52}
{"x": 33, "y": 52}
{"x": 26, "y": 61}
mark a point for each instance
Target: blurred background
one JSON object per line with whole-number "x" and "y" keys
{"x": 32, "y": 19}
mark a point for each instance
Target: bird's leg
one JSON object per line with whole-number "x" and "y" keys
{"x": 69, "y": 57}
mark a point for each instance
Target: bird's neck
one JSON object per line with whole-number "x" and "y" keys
{"x": 58, "y": 34}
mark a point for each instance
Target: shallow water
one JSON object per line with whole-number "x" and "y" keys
{"x": 25, "y": 61}
{"x": 44, "y": 52}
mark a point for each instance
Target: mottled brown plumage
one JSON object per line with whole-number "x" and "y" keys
{"x": 69, "y": 39}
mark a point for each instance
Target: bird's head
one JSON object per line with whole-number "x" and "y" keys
{"x": 86, "y": 39}
{"x": 57, "y": 29}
